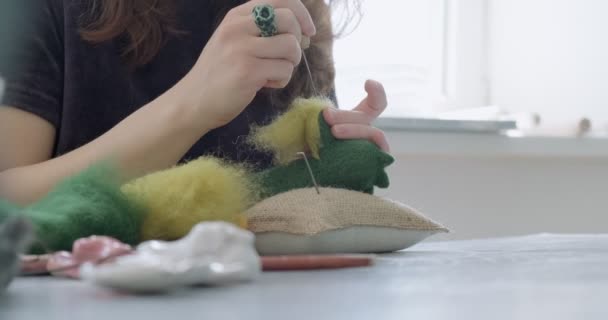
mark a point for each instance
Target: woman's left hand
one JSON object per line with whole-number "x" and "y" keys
{"x": 356, "y": 124}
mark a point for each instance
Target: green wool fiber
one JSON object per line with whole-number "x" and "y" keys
{"x": 89, "y": 203}
{"x": 356, "y": 165}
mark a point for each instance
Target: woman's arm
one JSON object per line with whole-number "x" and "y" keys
{"x": 154, "y": 137}
{"x": 235, "y": 64}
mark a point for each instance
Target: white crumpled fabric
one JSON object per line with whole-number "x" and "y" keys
{"x": 212, "y": 253}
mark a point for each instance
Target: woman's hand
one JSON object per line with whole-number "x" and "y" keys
{"x": 356, "y": 124}
{"x": 236, "y": 62}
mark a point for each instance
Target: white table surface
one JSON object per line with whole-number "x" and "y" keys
{"x": 534, "y": 277}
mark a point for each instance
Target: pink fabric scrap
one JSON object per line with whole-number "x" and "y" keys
{"x": 95, "y": 249}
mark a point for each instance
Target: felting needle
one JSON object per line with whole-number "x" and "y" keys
{"x": 312, "y": 81}
{"x": 312, "y": 176}
{"x": 304, "y": 45}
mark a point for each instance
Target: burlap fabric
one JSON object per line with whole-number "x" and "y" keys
{"x": 304, "y": 212}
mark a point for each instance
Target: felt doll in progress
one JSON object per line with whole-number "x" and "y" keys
{"x": 166, "y": 205}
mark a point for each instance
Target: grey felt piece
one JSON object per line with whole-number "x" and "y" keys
{"x": 15, "y": 235}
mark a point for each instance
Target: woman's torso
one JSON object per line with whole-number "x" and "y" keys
{"x": 97, "y": 89}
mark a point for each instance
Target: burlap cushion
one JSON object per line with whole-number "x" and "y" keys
{"x": 336, "y": 220}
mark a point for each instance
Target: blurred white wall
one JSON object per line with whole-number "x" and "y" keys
{"x": 512, "y": 189}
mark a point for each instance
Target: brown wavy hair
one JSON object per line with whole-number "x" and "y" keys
{"x": 145, "y": 25}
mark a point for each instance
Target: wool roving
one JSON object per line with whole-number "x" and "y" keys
{"x": 176, "y": 199}
{"x": 297, "y": 130}
{"x": 162, "y": 205}
{"x": 89, "y": 203}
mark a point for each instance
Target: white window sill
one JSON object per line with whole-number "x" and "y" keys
{"x": 454, "y": 144}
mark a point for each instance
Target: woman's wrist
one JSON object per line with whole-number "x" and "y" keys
{"x": 184, "y": 111}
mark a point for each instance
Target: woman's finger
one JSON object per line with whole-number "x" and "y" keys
{"x": 282, "y": 46}
{"x": 360, "y": 131}
{"x": 273, "y": 73}
{"x": 375, "y": 103}
{"x": 366, "y": 112}
{"x": 296, "y": 6}
{"x": 335, "y": 116}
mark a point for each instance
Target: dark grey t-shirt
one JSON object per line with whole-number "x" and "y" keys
{"x": 84, "y": 90}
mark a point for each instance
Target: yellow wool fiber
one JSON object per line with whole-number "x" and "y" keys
{"x": 297, "y": 130}
{"x": 177, "y": 199}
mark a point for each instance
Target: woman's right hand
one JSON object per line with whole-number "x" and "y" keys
{"x": 236, "y": 62}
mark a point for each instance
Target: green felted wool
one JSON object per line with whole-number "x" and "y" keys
{"x": 356, "y": 165}
{"x": 90, "y": 203}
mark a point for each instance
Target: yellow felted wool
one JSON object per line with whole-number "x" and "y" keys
{"x": 297, "y": 130}
{"x": 177, "y": 199}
